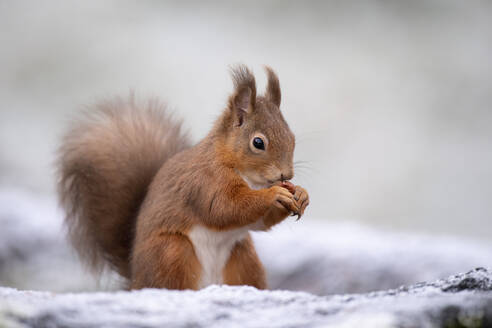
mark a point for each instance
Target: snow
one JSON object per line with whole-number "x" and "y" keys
{"x": 422, "y": 305}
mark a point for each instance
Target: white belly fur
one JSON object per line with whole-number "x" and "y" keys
{"x": 213, "y": 249}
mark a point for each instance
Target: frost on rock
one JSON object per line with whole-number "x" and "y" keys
{"x": 463, "y": 300}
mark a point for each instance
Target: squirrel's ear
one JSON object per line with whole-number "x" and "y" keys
{"x": 244, "y": 97}
{"x": 273, "y": 87}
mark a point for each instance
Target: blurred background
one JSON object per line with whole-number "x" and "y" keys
{"x": 391, "y": 101}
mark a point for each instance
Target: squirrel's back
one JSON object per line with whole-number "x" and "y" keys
{"x": 106, "y": 163}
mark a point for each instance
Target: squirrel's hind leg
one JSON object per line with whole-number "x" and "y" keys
{"x": 244, "y": 267}
{"x": 166, "y": 260}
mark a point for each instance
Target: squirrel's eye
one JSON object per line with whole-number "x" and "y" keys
{"x": 258, "y": 143}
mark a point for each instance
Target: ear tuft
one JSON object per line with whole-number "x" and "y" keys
{"x": 244, "y": 96}
{"x": 243, "y": 78}
{"x": 273, "y": 87}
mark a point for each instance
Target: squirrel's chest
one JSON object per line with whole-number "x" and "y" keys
{"x": 213, "y": 249}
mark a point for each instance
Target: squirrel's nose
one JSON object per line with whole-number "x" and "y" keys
{"x": 286, "y": 176}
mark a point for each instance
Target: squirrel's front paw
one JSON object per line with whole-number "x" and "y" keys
{"x": 284, "y": 199}
{"x": 301, "y": 197}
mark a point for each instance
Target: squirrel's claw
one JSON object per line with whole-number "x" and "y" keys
{"x": 299, "y": 215}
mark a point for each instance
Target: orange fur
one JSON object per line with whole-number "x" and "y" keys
{"x": 173, "y": 263}
{"x": 244, "y": 266}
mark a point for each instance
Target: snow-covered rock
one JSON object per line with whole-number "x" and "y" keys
{"x": 337, "y": 258}
{"x": 309, "y": 256}
{"x": 463, "y": 300}
{"x": 34, "y": 253}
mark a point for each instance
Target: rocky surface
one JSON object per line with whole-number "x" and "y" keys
{"x": 348, "y": 261}
{"x": 463, "y": 300}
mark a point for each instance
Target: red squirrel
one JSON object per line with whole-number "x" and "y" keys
{"x": 165, "y": 214}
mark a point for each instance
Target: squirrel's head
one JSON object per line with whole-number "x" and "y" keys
{"x": 259, "y": 143}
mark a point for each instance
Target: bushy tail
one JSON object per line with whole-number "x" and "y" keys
{"x": 106, "y": 163}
